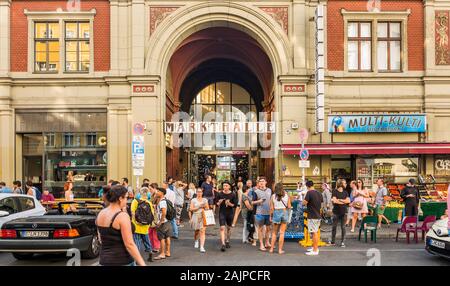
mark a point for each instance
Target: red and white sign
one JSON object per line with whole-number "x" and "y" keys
{"x": 294, "y": 88}
{"x": 143, "y": 88}
{"x": 138, "y": 129}
{"x": 303, "y": 133}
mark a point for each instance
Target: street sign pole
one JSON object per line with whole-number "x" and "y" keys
{"x": 303, "y": 137}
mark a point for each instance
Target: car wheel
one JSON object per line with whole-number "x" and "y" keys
{"x": 22, "y": 256}
{"x": 93, "y": 250}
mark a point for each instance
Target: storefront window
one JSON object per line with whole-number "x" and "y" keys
{"x": 82, "y": 154}
{"x": 392, "y": 170}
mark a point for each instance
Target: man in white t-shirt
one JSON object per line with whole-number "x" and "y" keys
{"x": 171, "y": 196}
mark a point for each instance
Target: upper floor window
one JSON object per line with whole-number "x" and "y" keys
{"x": 359, "y": 46}
{"x": 46, "y": 46}
{"x": 77, "y": 36}
{"x": 389, "y": 46}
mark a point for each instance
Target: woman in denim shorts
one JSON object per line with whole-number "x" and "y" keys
{"x": 280, "y": 204}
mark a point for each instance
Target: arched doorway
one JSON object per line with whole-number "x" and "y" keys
{"x": 224, "y": 71}
{"x": 172, "y": 34}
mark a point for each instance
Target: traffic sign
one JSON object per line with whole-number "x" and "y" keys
{"x": 304, "y": 164}
{"x": 303, "y": 132}
{"x": 304, "y": 154}
{"x": 138, "y": 172}
{"x": 138, "y": 129}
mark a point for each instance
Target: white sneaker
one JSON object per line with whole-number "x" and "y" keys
{"x": 196, "y": 244}
{"x": 202, "y": 250}
{"x": 313, "y": 253}
{"x": 309, "y": 249}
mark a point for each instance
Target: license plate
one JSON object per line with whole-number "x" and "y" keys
{"x": 35, "y": 234}
{"x": 438, "y": 244}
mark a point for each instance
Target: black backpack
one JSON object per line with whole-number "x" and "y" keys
{"x": 143, "y": 213}
{"x": 171, "y": 213}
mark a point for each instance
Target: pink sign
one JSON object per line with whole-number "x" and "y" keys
{"x": 303, "y": 134}
{"x": 448, "y": 208}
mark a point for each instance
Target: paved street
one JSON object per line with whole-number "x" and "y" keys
{"x": 184, "y": 254}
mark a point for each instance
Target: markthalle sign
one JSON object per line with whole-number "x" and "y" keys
{"x": 377, "y": 123}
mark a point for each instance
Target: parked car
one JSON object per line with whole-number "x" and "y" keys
{"x": 54, "y": 232}
{"x": 438, "y": 239}
{"x": 13, "y": 206}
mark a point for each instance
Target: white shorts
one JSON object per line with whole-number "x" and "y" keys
{"x": 313, "y": 225}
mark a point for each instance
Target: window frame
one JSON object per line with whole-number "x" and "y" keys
{"x": 76, "y": 40}
{"x": 61, "y": 17}
{"x": 359, "y": 39}
{"x": 401, "y": 17}
{"x": 47, "y": 41}
{"x": 388, "y": 40}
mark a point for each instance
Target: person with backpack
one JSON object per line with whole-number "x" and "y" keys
{"x": 32, "y": 191}
{"x": 142, "y": 216}
{"x": 165, "y": 213}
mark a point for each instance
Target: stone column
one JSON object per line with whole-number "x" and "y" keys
{"x": 7, "y": 159}
{"x": 119, "y": 150}
{"x": 146, "y": 109}
{"x": 137, "y": 20}
{"x": 299, "y": 33}
{"x": 4, "y": 36}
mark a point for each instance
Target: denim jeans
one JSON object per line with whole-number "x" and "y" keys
{"x": 174, "y": 227}
{"x": 142, "y": 241}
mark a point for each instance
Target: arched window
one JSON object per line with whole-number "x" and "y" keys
{"x": 225, "y": 101}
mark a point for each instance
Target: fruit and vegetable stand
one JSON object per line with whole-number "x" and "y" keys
{"x": 394, "y": 210}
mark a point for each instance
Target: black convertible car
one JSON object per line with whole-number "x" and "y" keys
{"x": 53, "y": 232}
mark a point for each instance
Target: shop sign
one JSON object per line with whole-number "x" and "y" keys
{"x": 219, "y": 127}
{"x": 442, "y": 167}
{"x": 304, "y": 164}
{"x": 380, "y": 123}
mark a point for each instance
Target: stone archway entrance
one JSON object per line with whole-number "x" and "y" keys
{"x": 171, "y": 35}
{"x": 220, "y": 70}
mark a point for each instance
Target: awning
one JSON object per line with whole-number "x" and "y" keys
{"x": 368, "y": 148}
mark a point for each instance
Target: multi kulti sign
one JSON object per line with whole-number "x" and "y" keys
{"x": 377, "y": 123}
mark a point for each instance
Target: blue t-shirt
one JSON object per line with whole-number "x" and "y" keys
{"x": 207, "y": 190}
{"x": 5, "y": 190}
{"x": 264, "y": 208}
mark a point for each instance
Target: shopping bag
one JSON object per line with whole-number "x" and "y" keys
{"x": 208, "y": 218}
{"x": 289, "y": 220}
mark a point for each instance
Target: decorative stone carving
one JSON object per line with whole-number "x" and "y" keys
{"x": 158, "y": 14}
{"x": 441, "y": 38}
{"x": 279, "y": 14}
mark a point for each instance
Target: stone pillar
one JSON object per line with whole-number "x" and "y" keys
{"x": 299, "y": 34}
{"x": 4, "y": 36}
{"x": 146, "y": 109}
{"x": 7, "y": 159}
{"x": 137, "y": 37}
{"x": 120, "y": 37}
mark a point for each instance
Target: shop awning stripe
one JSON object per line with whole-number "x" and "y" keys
{"x": 369, "y": 149}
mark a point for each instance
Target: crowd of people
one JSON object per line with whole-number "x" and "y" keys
{"x": 147, "y": 218}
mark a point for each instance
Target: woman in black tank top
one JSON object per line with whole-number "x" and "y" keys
{"x": 115, "y": 232}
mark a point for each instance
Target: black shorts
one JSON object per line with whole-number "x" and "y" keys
{"x": 226, "y": 219}
{"x": 164, "y": 231}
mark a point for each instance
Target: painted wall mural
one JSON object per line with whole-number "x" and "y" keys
{"x": 279, "y": 14}
{"x": 158, "y": 14}
{"x": 441, "y": 37}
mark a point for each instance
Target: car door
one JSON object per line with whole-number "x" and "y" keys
{"x": 28, "y": 207}
{"x": 10, "y": 205}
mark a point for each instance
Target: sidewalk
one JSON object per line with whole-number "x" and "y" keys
{"x": 384, "y": 232}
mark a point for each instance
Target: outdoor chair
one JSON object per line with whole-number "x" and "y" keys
{"x": 409, "y": 225}
{"x": 369, "y": 223}
{"x": 426, "y": 225}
